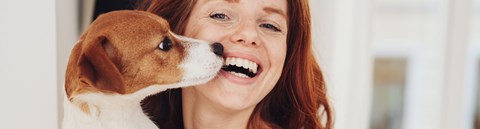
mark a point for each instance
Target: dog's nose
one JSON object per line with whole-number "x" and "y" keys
{"x": 217, "y": 48}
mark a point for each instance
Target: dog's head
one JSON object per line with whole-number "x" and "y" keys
{"x": 123, "y": 52}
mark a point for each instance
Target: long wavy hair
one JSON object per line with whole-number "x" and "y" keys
{"x": 298, "y": 100}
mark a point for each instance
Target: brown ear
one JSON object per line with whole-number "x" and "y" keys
{"x": 97, "y": 69}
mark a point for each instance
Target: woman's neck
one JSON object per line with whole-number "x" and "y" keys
{"x": 200, "y": 113}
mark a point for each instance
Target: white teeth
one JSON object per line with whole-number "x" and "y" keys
{"x": 239, "y": 74}
{"x": 244, "y": 63}
{"x": 240, "y": 62}
{"x": 253, "y": 67}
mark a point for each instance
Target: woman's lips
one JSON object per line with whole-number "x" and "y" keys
{"x": 239, "y": 80}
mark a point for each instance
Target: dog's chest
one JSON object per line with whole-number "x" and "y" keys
{"x": 109, "y": 116}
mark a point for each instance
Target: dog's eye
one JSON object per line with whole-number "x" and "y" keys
{"x": 165, "y": 45}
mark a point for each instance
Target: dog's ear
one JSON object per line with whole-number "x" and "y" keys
{"x": 97, "y": 69}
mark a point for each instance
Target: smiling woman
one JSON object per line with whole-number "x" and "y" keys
{"x": 270, "y": 77}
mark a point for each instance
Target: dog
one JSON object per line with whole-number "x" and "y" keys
{"x": 123, "y": 57}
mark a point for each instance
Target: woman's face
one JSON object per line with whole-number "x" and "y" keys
{"x": 253, "y": 33}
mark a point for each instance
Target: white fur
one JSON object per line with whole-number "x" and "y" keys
{"x": 200, "y": 62}
{"x": 116, "y": 111}
{"x": 109, "y": 111}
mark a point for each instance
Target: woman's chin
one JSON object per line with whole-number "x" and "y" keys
{"x": 229, "y": 96}
{"x": 236, "y": 103}
{"x": 232, "y": 93}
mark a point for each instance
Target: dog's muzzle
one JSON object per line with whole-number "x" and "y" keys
{"x": 217, "y": 48}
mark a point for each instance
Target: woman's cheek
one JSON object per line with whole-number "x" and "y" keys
{"x": 209, "y": 32}
{"x": 277, "y": 50}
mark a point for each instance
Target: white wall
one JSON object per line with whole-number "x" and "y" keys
{"x": 28, "y": 85}
{"x": 68, "y": 25}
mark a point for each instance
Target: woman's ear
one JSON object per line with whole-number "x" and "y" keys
{"x": 97, "y": 69}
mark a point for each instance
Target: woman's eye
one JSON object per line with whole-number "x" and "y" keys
{"x": 270, "y": 27}
{"x": 219, "y": 16}
{"x": 165, "y": 45}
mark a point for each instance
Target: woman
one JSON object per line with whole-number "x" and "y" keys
{"x": 280, "y": 84}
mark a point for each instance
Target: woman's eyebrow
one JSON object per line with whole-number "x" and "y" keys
{"x": 229, "y": 1}
{"x": 275, "y": 10}
{"x": 266, "y": 9}
{"x": 232, "y": 1}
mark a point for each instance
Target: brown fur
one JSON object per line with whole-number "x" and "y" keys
{"x": 119, "y": 54}
{"x": 84, "y": 106}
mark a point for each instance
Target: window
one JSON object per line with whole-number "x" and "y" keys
{"x": 388, "y": 93}
{"x": 426, "y": 39}
{"x": 407, "y": 35}
{"x": 414, "y": 22}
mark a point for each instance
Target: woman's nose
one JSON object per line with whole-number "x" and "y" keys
{"x": 245, "y": 34}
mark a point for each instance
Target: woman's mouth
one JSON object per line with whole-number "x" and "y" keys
{"x": 241, "y": 67}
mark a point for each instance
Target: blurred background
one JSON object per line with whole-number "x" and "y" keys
{"x": 389, "y": 64}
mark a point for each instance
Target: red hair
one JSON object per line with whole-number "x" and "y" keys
{"x": 298, "y": 100}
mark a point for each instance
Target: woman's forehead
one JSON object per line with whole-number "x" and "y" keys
{"x": 269, "y": 6}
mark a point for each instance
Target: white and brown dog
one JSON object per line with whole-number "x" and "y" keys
{"x": 123, "y": 57}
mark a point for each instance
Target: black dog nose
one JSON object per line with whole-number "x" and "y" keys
{"x": 217, "y": 48}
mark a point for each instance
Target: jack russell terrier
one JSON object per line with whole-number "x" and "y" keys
{"x": 123, "y": 57}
